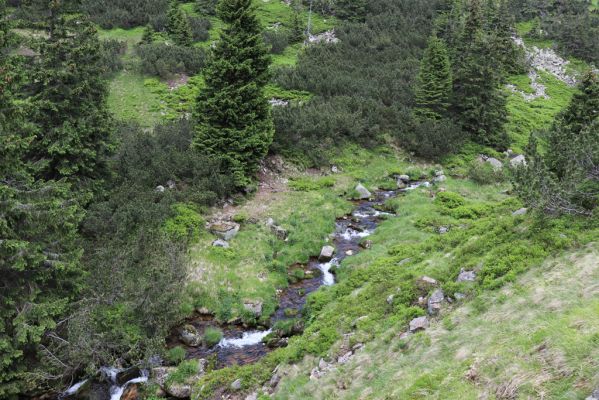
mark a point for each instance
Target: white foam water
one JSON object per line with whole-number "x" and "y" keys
{"x": 117, "y": 391}
{"x": 248, "y": 339}
{"x": 328, "y": 279}
{"x": 352, "y": 233}
{"x": 73, "y": 389}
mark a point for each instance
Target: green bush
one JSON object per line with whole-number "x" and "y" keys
{"x": 241, "y": 217}
{"x": 483, "y": 173}
{"x": 186, "y": 223}
{"x": 305, "y": 184}
{"x": 212, "y": 336}
{"x": 165, "y": 60}
{"x": 184, "y": 371}
{"x": 176, "y": 355}
{"x": 449, "y": 200}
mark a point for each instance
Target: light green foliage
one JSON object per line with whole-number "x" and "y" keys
{"x": 233, "y": 115}
{"x": 184, "y": 371}
{"x": 176, "y": 355}
{"x": 185, "y": 224}
{"x": 307, "y": 184}
{"x": 212, "y": 336}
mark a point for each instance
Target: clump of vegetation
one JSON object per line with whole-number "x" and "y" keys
{"x": 176, "y": 355}
{"x": 212, "y": 336}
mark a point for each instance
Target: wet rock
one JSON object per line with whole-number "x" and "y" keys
{"x": 363, "y": 193}
{"x": 131, "y": 393}
{"x": 220, "y": 243}
{"x": 419, "y": 324}
{"x": 401, "y": 184}
{"x": 466, "y": 276}
{"x": 79, "y": 390}
{"x": 366, "y": 244}
{"x": 326, "y": 254}
{"x": 126, "y": 375}
{"x": 435, "y": 302}
{"x": 254, "y": 307}
{"x": 190, "y": 336}
{"x": 521, "y": 211}
{"x": 236, "y": 385}
{"x": 518, "y": 160}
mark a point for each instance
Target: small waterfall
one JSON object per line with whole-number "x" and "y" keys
{"x": 328, "y": 279}
{"x": 248, "y": 339}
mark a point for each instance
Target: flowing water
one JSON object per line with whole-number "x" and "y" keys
{"x": 241, "y": 345}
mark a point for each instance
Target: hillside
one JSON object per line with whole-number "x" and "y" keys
{"x": 293, "y": 199}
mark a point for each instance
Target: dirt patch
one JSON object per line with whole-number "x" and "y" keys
{"x": 177, "y": 81}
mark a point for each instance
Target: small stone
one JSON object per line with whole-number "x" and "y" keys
{"x": 495, "y": 163}
{"x": 357, "y": 320}
{"x": 224, "y": 230}
{"x": 236, "y": 385}
{"x": 345, "y": 358}
{"x": 440, "y": 178}
{"x": 349, "y": 253}
{"x": 179, "y": 390}
{"x": 254, "y": 307}
{"x": 322, "y": 364}
{"x": 390, "y": 299}
{"x": 252, "y": 396}
{"x": 466, "y": 276}
{"x": 594, "y": 395}
{"x": 459, "y": 296}
{"x": 419, "y": 324}
{"x": 335, "y": 169}
{"x": 518, "y": 161}
{"x": 326, "y": 254}
{"x": 363, "y": 193}
{"x": 404, "y": 178}
{"x": 220, "y": 243}
{"x": 401, "y": 185}
{"x": 171, "y": 184}
{"x": 405, "y": 335}
{"x": 160, "y": 189}
{"x": 519, "y": 212}
{"x": 366, "y": 244}
{"x": 426, "y": 283}
{"x": 190, "y": 336}
{"x": 279, "y": 232}
{"x": 439, "y": 173}
{"x": 435, "y": 302}
{"x": 443, "y": 230}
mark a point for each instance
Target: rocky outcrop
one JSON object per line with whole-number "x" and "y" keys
{"x": 325, "y": 37}
{"x": 224, "y": 229}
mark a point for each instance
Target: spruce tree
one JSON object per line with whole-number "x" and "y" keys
{"x": 148, "y": 35}
{"x": 297, "y": 24}
{"x": 75, "y": 124}
{"x": 39, "y": 258}
{"x": 206, "y": 7}
{"x": 352, "y": 10}
{"x": 178, "y": 26}
{"x": 434, "y": 81}
{"x": 477, "y": 96}
{"x": 234, "y": 121}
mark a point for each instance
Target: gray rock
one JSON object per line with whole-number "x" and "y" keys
{"x": 178, "y": 390}
{"x": 236, "y": 385}
{"x": 190, "y": 336}
{"x": 390, "y": 299}
{"x": 495, "y": 163}
{"x": 255, "y": 307}
{"x": 459, "y": 296}
{"x": 252, "y": 396}
{"x": 443, "y": 230}
{"x": 224, "y": 230}
{"x": 345, "y": 358}
{"x": 363, "y": 193}
{"x": 357, "y": 320}
{"x": 435, "y": 302}
{"x": 335, "y": 169}
{"x": 220, "y": 243}
{"x": 521, "y": 211}
{"x": 160, "y": 374}
{"x": 594, "y": 395}
{"x": 419, "y": 324}
{"x": 401, "y": 184}
{"x": 426, "y": 283}
{"x": 366, "y": 244}
{"x": 405, "y": 335}
{"x": 404, "y": 178}
{"x": 160, "y": 189}
{"x": 518, "y": 160}
{"x": 171, "y": 184}
{"x": 279, "y": 232}
{"x": 466, "y": 276}
{"x": 326, "y": 254}
{"x": 439, "y": 173}
{"x": 440, "y": 178}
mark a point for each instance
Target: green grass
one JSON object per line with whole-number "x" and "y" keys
{"x": 131, "y": 99}
{"x": 212, "y": 336}
{"x": 525, "y": 117}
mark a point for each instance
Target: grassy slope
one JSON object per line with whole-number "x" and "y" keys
{"x": 148, "y": 100}
{"x": 534, "y": 338}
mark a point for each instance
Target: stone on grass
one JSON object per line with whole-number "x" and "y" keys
{"x": 440, "y": 178}
{"x": 521, "y": 211}
{"x": 326, "y": 254}
{"x": 254, "y": 307}
{"x": 443, "y": 230}
{"x": 236, "y": 385}
{"x": 435, "y": 302}
{"x": 426, "y": 283}
{"x": 220, "y": 243}
{"x": 594, "y": 395}
{"x": 363, "y": 193}
{"x": 224, "y": 230}
{"x": 404, "y": 178}
{"x": 518, "y": 160}
{"x": 419, "y": 324}
{"x": 466, "y": 276}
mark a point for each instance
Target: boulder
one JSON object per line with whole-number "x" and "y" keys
{"x": 220, "y": 243}
{"x": 466, "y": 276}
{"x": 179, "y": 390}
{"x": 190, "y": 336}
{"x": 594, "y": 395}
{"x": 435, "y": 301}
{"x": 326, "y": 254}
{"x": 279, "y": 232}
{"x": 419, "y": 324}
{"x": 495, "y": 163}
{"x": 236, "y": 385}
{"x": 404, "y": 178}
{"x": 426, "y": 283}
{"x": 518, "y": 161}
{"x": 440, "y": 179}
{"x": 224, "y": 230}
{"x": 126, "y": 375}
{"x": 160, "y": 189}
{"x": 521, "y": 211}
{"x": 366, "y": 244}
{"x": 363, "y": 193}
{"x": 159, "y": 375}
{"x": 254, "y": 307}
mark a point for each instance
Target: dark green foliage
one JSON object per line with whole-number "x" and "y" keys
{"x": 298, "y": 26}
{"x": 112, "y": 52}
{"x": 434, "y": 81}
{"x": 352, "y": 10}
{"x": 164, "y": 60}
{"x": 566, "y": 178}
{"x": 206, "y": 7}
{"x": 200, "y": 28}
{"x": 148, "y": 35}
{"x": 499, "y": 27}
{"x": 177, "y": 25}
{"x": 363, "y": 85}
{"x": 432, "y": 139}
{"x": 277, "y": 40}
{"x": 125, "y": 13}
{"x": 74, "y": 122}
{"x": 233, "y": 115}
{"x": 478, "y": 100}
{"x": 39, "y": 253}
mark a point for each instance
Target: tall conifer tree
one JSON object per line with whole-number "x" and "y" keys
{"x": 434, "y": 81}
{"x": 234, "y": 121}
{"x": 178, "y": 26}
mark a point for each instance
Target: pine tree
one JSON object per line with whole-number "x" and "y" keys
{"x": 499, "y": 28}
{"x": 178, "y": 26}
{"x": 233, "y": 115}
{"x": 71, "y": 109}
{"x": 434, "y": 81}
{"x": 298, "y": 33}
{"x": 206, "y": 7}
{"x": 352, "y": 10}
{"x": 477, "y": 96}
{"x": 582, "y": 111}
{"x": 39, "y": 258}
{"x": 148, "y": 35}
